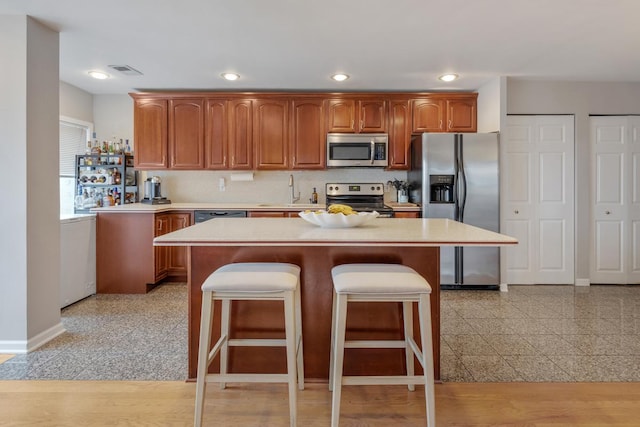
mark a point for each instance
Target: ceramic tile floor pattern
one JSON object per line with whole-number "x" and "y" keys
{"x": 530, "y": 333}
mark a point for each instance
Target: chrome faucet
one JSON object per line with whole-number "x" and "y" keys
{"x": 292, "y": 197}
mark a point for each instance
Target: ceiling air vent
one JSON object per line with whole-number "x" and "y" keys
{"x": 127, "y": 70}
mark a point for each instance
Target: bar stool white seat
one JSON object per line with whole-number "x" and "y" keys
{"x": 382, "y": 283}
{"x": 251, "y": 281}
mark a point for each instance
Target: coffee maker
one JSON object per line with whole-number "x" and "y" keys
{"x": 153, "y": 192}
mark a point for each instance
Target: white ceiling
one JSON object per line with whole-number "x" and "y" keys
{"x": 396, "y": 45}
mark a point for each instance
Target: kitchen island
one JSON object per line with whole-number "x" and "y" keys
{"x": 412, "y": 242}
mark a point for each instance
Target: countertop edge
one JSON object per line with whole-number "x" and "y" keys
{"x": 264, "y": 207}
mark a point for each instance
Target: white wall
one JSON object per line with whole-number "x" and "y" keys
{"x": 113, "y": 117}
{"x": 30, "y": 244}
{"x": 13, "y": 220}
{"x": 580, "y": 99}
{"x": 489, "y": 97}
{"x": 76, "y": 103}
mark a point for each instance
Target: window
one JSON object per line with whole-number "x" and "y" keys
{"x": 74, "y": 135}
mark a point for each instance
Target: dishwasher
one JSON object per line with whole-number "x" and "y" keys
{"x": 206, "y": 215}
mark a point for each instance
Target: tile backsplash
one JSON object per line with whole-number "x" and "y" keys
{"x": 266, "y": 187}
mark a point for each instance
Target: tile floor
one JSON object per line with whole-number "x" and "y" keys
{"x": 531, "y": 333}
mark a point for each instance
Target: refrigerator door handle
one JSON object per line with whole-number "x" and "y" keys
{"x": 463, "y": 182}
{"x": 460, "y": 180}
{"x": 456, "y": 181}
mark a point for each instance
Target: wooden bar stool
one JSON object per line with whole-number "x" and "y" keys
{"x": 381, "y": 283}
{"x": 251, "y": 281}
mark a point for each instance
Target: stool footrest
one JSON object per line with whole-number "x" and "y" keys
{"x": 383, "y": 380}
{"x": 375, "y": 344}
{"x": 256, "y": 342}
{"x": 247, "y": 378}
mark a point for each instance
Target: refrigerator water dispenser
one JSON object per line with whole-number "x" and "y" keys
{"x": 441, "y": 188}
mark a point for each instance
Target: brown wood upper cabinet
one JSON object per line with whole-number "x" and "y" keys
{"x": 215, "y": 134}
{"x": 271, "y": 133}
{"x": 186, "y": 134}
{"x": 461, "y": 115}
{"x": 240, "y": 134}
{"x": 308, "y": 139}
{"x": 280, "y": 130}
{"x": 450, "y": 113}
{"x": 357, "y": 116}
{"x": 399, "y": 134}
{"x": 150, "y": 133}
{"x": 428, "y": 115}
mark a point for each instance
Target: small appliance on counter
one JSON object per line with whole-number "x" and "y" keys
{"x": 153, "y": 192}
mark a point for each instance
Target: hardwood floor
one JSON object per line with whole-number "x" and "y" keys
{"x": 129, "y": 403}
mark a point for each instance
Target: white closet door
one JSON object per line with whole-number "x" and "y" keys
{"x": 538, "y": 199}
{"x": 634, "y": 201}
{"x": 610, "y": 228}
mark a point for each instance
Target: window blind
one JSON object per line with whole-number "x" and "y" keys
{"x": 73, "y": 140}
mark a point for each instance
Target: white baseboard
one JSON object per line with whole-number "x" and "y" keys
{"x": 504, "y": 287}
{"x": 22, "y": 346}
{"x": 583, "y": 282}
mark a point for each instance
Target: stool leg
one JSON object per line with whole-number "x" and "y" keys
{"x": 290, "y": 333}
{"x": 333, "y": 337}
{"x": 299, "y": 351}
{"x": 225, "y": 315}
{"x": 338, "y": 357}
{"x": 206, "y": 321}
{"x": 427, "y": 358}
{"x": 407, "y": 316}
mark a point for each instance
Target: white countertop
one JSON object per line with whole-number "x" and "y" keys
{"x": 145, "y": 208}
{"x": 297, "y": 232}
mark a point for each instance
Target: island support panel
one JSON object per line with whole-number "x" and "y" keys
{"x": 263, "y": 318}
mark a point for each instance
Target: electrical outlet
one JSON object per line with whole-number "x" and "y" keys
{"x": 221, "y": 185}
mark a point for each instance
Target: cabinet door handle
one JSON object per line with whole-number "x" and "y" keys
{"x": 353, "y": 124}
{"x": 450, "y": 124}
{"x": 516, "y": 212}
{"x": 224, "y": 160}
{"x": 607, "y": 212}
{"x": 441, "y": 124}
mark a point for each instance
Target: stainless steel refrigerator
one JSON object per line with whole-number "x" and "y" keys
{"x": 456, "y": 176}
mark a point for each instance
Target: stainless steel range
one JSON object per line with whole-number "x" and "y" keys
{"x": 362, "y": 197}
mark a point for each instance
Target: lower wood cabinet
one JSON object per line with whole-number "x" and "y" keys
{"x": 126, "y": 260}
{"x": 272, "y": 214}
{"x": 171, "y": 260}
{"x": 406, "y": 214}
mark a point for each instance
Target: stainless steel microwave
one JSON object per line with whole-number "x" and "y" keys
{"x": 357, "y": 150}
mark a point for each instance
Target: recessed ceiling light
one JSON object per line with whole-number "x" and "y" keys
{"x": 230, "y": 76}
{"x": 98, "y": 75}
{"x": 340, "y": 77}
{"x": 448, "y": 77}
